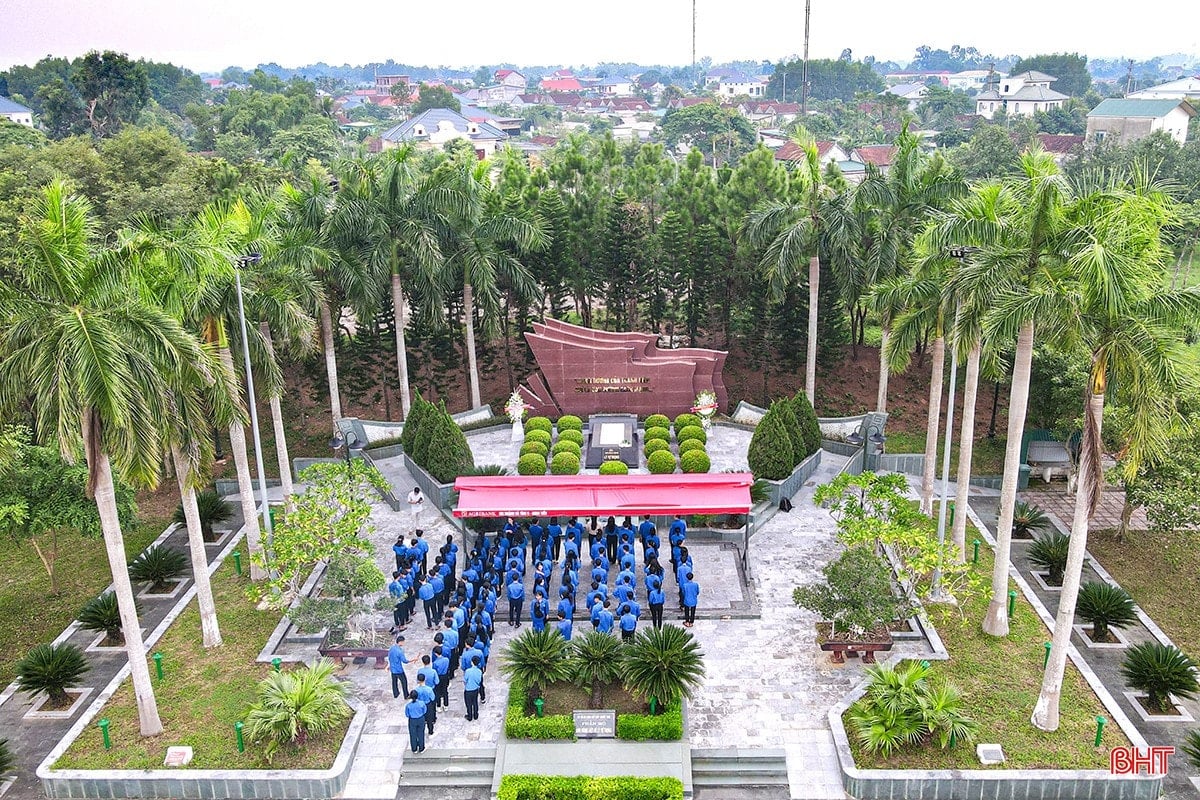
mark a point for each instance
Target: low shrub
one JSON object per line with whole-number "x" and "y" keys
{"x": 566, "y": 446}
{"x": 684, "y": 420}
{"x": 687, "y": 445}
{"x": 539, "y": 424}
{"x": 689, "y": 432}
{"x": 1105, "y": 606}
{"x": 212, "y": 509}
{"x": 8, "y": 761}
{"x": 897, "y": 710}
{"x": 661, "y": 463}
{"x": 519, "y": 726}
{"x": 695, "y": 461}
{"x": 565, "y": 464}
{"x": 571, "y": 436}
{"x": 1160, "y": 670}
{"x": 538, "y": 435}
{"x": 481, "y": 470}
{"x": 1049, "y": 552}
{"x": 157, "y": 565}
{"x": 557, "y": 787}
{"x": 296, "y": 705}
{"x": 531, "y": 464}
{"x": 540, "y": 448}
{"x": 653, "y": 446}
{"x": 52, "y": 669}
{"x": 657, "y": 433}
{"x": 569, "y": 422}
{"x": 614, "y": 468}
{"x": 667, "y": 726}
{"x": 101, "y": 614}
{"x": 658, "y": 421}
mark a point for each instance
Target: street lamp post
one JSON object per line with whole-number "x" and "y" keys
{"x": 874, "y": 436}
{"x": 348, "y": 441}
{"x": 240, "y": 263}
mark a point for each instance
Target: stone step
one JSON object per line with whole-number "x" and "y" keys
{"x": 449, "y": 767}
{"x": 739, "y": 754}
{"x": 734, "y": 767}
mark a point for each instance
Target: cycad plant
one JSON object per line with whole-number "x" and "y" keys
{"x": 595, "y": 661}
{"x": 1028, "y": 519}
{"x": 295, "y": 705}
{"x": 102, "y": 614}
{"x": 52, "y": 669}
{"x": 903, "y": 706}
{"x": 1105, "y": 607}
{"x": 213, "y": 509}
{"x": 7, "y": 760}
{"x": 1190, "y": 748}
{"x": 663, "y": 664}
{"x": 535, "y": 659}
{"x": 157, "y": 566}
{"x": 1050, "y": 553}
{"x": 1160, "y": 670}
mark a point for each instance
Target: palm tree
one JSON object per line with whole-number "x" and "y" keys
{"x": 91, "y": 354}
{"x": 535, "y": 659}
{"x": 1114, "y": 305}
{"x": 664, "y": 664}
{"x": 595, "y": 661}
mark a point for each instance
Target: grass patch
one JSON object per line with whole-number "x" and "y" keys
{"x": 1158, "y": 570}
{"x": 1000, "y": 679}
{"x": 203, "y": 693}
{"x": 987, "y": 456}
{"x": 29, "y": 614}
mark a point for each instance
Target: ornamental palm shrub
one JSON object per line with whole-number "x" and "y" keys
{"x": 564, "y": 464}
{"x": 449, "y": 454}
{"x": 408, "y": 434}
{"x": 1028, "y": 519}
{"x": 1190, "y": 748}
{"x": 657, "y": 433}
{"x": 535, "y": 659}
{"x": 8, "y": 761}
{"x": 653, "y": 446}
{"x": 158, "y": 565}
{"x": 296, "y": 705}
{"x": 571, "y": 436}
{"x": 663, "y": 663}
{"x": 1160, "y": 670}
{"x": 614, "y": 468}
{"x": 538, "y": 435}
{"x": 686, "y": 419}
{"x": 695, "y": 461}
{"x": 566, "y": 446}
{"x": 1105, "y": 606}
{"x": 904, "y": 705}
{"x": 688, "y": 445}
{"x": 661, "y": 462}
{"x": 531, "y": 464}
{"x": 52, "y": 669}
{"x": 101, "y": 614}
{"x": 212, "y": 508}
{"x": 539, "y": 424}
{"x": 595, "y": 661}
{"x": 689, "y": 432}
{"x": 569, "y": 422}
{"x": 1050, "y": 553}
{"x": 658, "y": 421}
{"x": 541, "y": 448}
{"x": 770, "y": 453}
{"x": 784, "y": 409}
{"x": 483, "y": 470}
{"x": 810, "y": 426}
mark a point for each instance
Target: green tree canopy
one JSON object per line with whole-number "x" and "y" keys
{"x": 434, "y": 97}
{"x": 1069, "y": 70}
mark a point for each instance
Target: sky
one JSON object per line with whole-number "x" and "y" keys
{"x": 213, "y": 34}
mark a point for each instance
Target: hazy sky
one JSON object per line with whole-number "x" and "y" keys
{"x": 213, "y": 34}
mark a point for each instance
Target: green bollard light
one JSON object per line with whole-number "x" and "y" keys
{"x": 1100, "y": 721}
{"x": 975, "y": 559}
{"x": 237, "y": 727}
{"x": 237, "y": 561}
{"x": 924, "y": 664}
{"x": 653, "y": 706}
{"x": 276, "y": 662}
{"x": 1012, "y": 602}
{"x": 539, "y": 704}
{"x": 158, "y": 664}
{"x": 1046, "y": 660}
{"x": 104, "y": 723}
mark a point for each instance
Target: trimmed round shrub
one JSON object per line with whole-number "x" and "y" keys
{"x": 658, "y": 421}
{"x": 691, "y": 432}
{"x": 688, "y": 445}
{"x": 571, "y": 436}
{"x": 539, "y": 424}
{"x": 565, "y": 464}
{"x": 658, "y": 433}
{"x": 686, "y": 419}
{"x": 614, "y": 468}
{"x": 770, "y": 454}
{"x": 531, "y": 464}
{"x": 654, "y": 446}
{"x": 540, "y": 448}
{"x": 810, "y": 427}
{"x": 566, "y": 446}
{"x": 788, "y": 415}
{"x": 538, "y": 435}
{"x": 661, "y": 462}
{"x": 695, "y": 461}
{"x": 570, "y": 422}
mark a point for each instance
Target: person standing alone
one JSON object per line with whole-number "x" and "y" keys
{"x": 416, "y": 501}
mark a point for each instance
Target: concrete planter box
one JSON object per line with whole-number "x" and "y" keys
{"x": 438, "y": 493}
{"x": 217, "y": 784}
{"x": 792, "y": 483}
{"x": 388, "y": 451}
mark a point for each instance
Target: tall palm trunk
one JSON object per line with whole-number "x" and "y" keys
{"x": 966, "y": 444}
{"x": 335, "y": 396}
{"x": 204, "y": 596}
{"x": 996, "y": 621}
{"x": 401, "y": 349}
{"x": 281, "y": 448}
{"x": 1087, "y": 488}
{"x": 472, "y": 361}
{"x": 241, "y": 462}
{"x": 881, "y": 397}
{"x": 810, "y": 364}
{"x": 932, "y": 422}
{"x": 114, "y": 545}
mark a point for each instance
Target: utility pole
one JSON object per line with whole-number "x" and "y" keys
{"x": 783, "y": 97}
{"x": 1129, "y": 78}
{"x": 804, "y": 74}
{"x": 695, "y": 74}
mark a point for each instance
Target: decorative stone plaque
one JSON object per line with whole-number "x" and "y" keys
{"x": 600, "y": 724}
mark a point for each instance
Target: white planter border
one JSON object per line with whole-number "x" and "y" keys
{"x": 80, "y": 695}
{"x": 1120, "y": 644}
{"x": 146, "y": 594}
{"x": 1041, "y": 581}
{"x": 96, "y": 647}
{"x": 1182, "y": 716}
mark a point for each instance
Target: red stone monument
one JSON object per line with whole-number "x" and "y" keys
{"x": 584, "y": 371}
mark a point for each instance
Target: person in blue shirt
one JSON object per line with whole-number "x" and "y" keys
{"x": 555, "y": 533}
{"x": 441, "y": 665}
{"x": 610, "y": 538}
{"x": 644, "y": 530}
{"x": 439, "y": 596}
{"x": 564, "y": 626}
{"x": 516, "y": 598}
{"x": 472, "y": 654}
{"x": 397, "y": 591}
{"x": 628, "y": 561}
{"x": 628, "y": 624}
{"x": 451, "y": 555}
{"x": 597, "y": 591}
{"x": 431, "y": 675}
{"x": 396, "y": 662}
{"x": 415, "y": 711}
{"x": 571, "y": 545}
{"x": 537, "y": 535}
{"x": 623, "y": 591}
{"x": 596, "y": 607}
{"x": 691, "y": 597}
{"x": 425, "y": 593}
{"x": 599, "y": 573}
{"x": 400, "y": 549}
{"x": 423, "y": 547}
{"x": 565, "y": 607}
{"x": 634, "y": 607}
{"x": 604, "y": 620}
{"x": 450, "y": 642}
{"x": 656, "y": 597}
{"x": 472, "y": 682}
{"x": 539, "y": 610}
{"x": 425, "y": 694}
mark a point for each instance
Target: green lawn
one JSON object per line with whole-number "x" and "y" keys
{"x": 29, "y": 614}
{"x": 1000, "y": 679}
{"x": 203, "y": 693}
{"x": 987, "y": 456}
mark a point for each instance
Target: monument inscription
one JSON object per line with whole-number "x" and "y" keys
{"x": 601, "y": 724}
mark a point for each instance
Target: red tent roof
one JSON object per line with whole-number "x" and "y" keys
{"x": 580, "y": 495}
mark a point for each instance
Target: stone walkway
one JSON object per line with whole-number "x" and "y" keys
{"x": 1055, "y": 499}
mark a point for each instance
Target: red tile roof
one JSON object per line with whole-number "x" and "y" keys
{"x": 561, "y": 84}
{"x": 548, "y": 141}
{"x": 1059, "y": 143}
{"x": 790, "y": 151}
{"x": 684, "y": 102}
{"x": 880, "y": 155}
{"x": 503, "y": 73}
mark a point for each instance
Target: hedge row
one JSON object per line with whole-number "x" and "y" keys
{"x": 667, "y": 726}
{"x": 558, "y": 787}
{"x": 519, "y": 726}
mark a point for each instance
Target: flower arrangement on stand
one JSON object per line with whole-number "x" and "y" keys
{"x": 515, "y": 409}
{"x": 706, "y": 408}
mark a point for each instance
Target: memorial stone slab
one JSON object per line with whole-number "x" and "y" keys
{"x": 598, "y": 724}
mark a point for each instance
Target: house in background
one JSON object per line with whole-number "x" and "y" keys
{"x": 1172, "y": 90}
{"x": 1023, "y": 95}
{"x": 826, "y": 152}
{"x": 912, "y": 92}
{"x": 16, "y": 112}
{"x": 1061, "y": 145}
{"x": 881, "y": 155}
{"x": 510, "y": 77}
{"x": 1126, "y": 120}
{"x": 969, "y": 79}
{"x": 431, "y": 129}
{"x": 769, "y": 113}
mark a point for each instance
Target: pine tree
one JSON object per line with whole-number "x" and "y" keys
{"x": 810, "y": 427}
{"x": 770, "y": 455}
{"x": 448, "y": 456}
{"x": 792, "y": 426}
